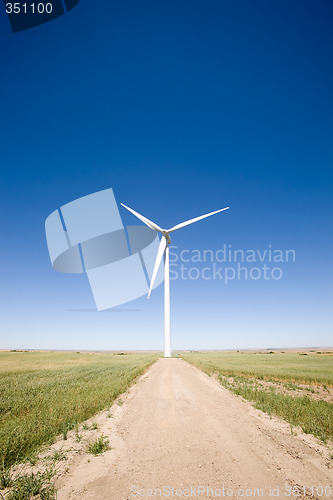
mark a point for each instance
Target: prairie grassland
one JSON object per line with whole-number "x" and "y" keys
{"x": 304, "y": 367}
{"x": 43, "y": 394}
{"x": 274, "y": 382}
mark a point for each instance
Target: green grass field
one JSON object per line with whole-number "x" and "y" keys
{"x": 288, "y": 366}
{"x": 268, "y": 378}
{"x": 43, "y": 394}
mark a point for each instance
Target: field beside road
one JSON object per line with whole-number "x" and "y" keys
{"x": 175, "y": 429}
{"x": 47, "y": 393}
{"x": 296, "y": 386}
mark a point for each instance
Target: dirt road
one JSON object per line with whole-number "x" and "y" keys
{"x": 179, "y": 434}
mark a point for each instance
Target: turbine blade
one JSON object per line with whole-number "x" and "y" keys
{"x": 183, "y": 224}
{"x": 148, "y": 222}
{"x": 159, "y": 256}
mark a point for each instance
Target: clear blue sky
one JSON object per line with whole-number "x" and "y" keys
{"x": 182, "y": 108}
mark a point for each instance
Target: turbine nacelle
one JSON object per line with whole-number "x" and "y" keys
{"x": 166, "y": 236}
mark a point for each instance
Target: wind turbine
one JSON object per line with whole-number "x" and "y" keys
{"x": 164, "y": 249}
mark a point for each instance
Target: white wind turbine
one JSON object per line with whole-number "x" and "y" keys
{"x": 164, "y": 249}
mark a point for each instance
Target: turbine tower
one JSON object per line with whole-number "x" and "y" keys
{"x": 164, "y": 249}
